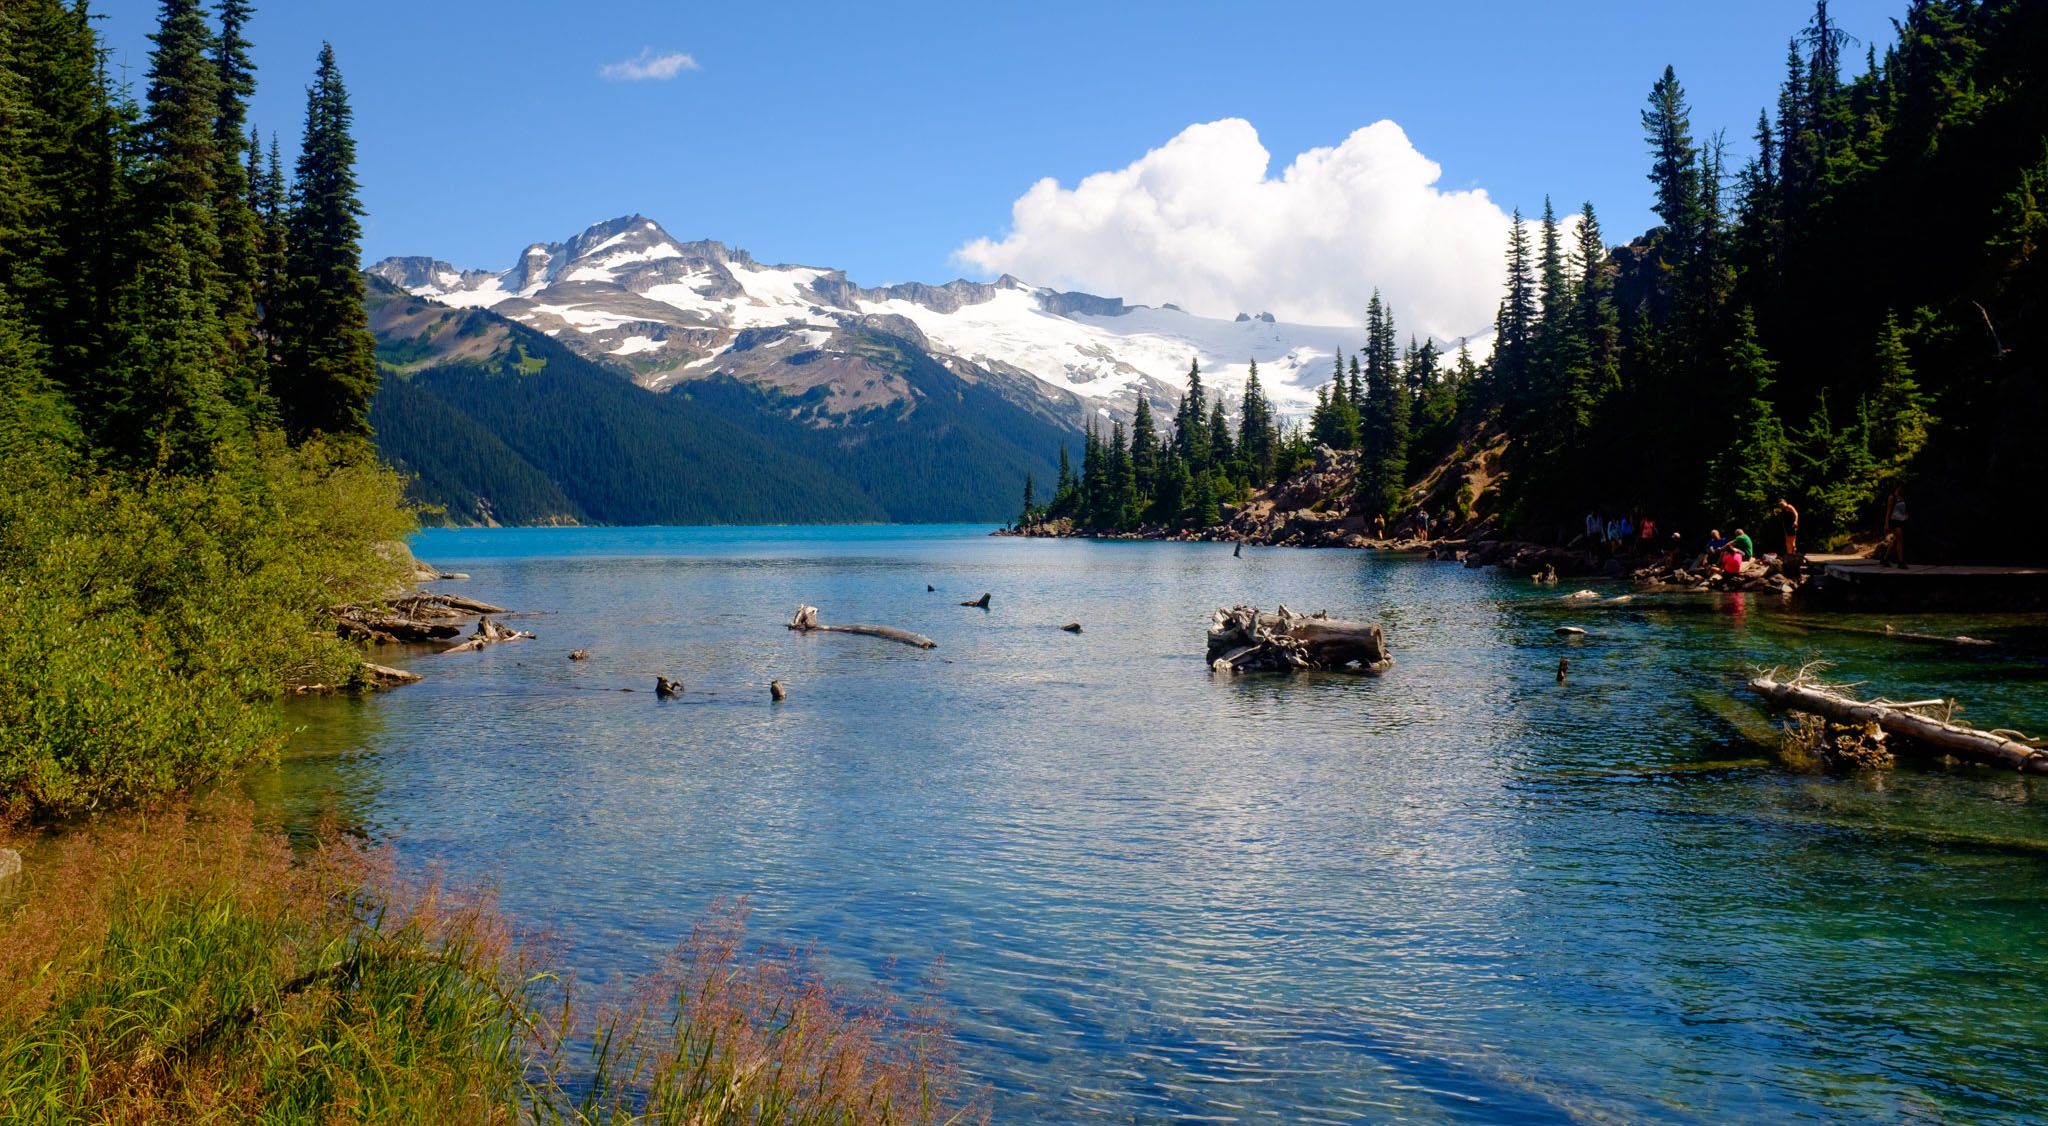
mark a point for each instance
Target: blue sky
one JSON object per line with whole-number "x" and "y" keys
{"x": 882, "y": 138}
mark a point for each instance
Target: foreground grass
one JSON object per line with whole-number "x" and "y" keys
{"x": 184, "y": 965}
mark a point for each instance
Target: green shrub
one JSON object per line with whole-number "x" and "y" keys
{"x": 152, "y": 623}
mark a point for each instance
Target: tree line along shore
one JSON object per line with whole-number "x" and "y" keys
{"x": 1799, "y": 325}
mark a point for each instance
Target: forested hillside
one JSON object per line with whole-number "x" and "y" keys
{"x": 499, "y": 423}
{"x": 186, "y": 477}
{"x": 1853, "y": 305}
{"x": 524, "y": 431}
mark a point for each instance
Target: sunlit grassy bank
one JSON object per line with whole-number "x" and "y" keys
{"x": 184, "y": 964}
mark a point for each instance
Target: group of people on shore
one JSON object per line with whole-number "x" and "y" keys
{"x": 1731, "y": 553}
{"x": 1613, "y": 534}
{"x": 1417, "y": 523}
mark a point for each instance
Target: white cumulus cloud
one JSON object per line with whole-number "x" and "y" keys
{"x": 649, "y": 66}
{"x": 1200, "y": 223}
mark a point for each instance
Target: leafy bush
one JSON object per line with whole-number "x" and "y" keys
{"x": 152, "y": 622}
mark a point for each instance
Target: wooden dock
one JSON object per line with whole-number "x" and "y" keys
{"x": 1853, "y": 580}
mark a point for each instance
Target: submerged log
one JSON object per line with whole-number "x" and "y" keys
{"x": 1072, "y": 627}
{"x": 806, "y": 621}
{"x": 1993, "y": 748}
{"x": 979, "y": 603}
{"x": 487, "y": 633}
{"x": 666, "y": 689}
{"x": 1244, "y": 640}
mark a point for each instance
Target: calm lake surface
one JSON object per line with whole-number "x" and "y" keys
{"x": 1460, "y": 892}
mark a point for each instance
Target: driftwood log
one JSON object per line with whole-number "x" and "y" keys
{"x": 487, "y": 633}
{"x": 416, "y": 618}
{"x": 1242, "y": 639}
{"x": 1992, "y": 748}
{"x": 806, "y": 621}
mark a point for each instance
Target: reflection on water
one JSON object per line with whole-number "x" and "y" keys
{"x": 1458, "y": 892}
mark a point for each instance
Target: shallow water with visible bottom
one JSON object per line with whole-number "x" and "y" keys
{"x": 1458, "y": 892}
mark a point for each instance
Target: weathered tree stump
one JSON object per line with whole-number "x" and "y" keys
{"x": 666, "y": 689}
{"x": 776, "y": 692}
{"x": 806, "y": 621}
{"x": 487, "y": 633}
{"x": 1242, "y": 639}
{"x": 979, "y": 603}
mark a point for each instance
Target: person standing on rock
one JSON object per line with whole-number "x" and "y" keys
{"x": 1895, "y": 526}
{"x": 1789, "y": 516}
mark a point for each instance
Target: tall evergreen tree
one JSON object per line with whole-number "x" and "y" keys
{"x": 1515, "y": 327}
{"x": 1674, "y": 167}
{"x": 1118, "y": 495}
{"x": 166, "y": 404}
{"x": 1256, "y": 439}
{"x": 1191, "y": 423}
{"x": 1899, "y": 413}
{"x": 240, "y": 228}
{"x": 328, "y": 367}
{"x": 1222, "y": 447}
{"x": 1749, "y": 472}
{"x": 1144, "y": 456}
{"x": 61, "y": 237}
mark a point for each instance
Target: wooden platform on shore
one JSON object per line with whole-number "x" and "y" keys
{"x": 1860, "y": 566}
{"x": 1859, "y": 580}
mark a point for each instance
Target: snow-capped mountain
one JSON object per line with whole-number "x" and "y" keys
{"x": 627, "y": 293}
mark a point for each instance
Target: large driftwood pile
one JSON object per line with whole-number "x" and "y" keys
{"x": 1908, "y": 723}
{"x": 806, "y": 621}
{"x": 1244, "y": 640}
{"x": 416, "y": 618}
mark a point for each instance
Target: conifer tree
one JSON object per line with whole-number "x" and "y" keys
{"x": 1222, "y": 447}
{"x": 1749, "y": 472}
{"x": 1515, "y": 326}
{"x": 1122, "y": 493}
{"x": 1383, "y": 469}
{"x": 1674, "y": 168}
{"x": 1144, "y": 456}
{"x": 60, "y": 237}
{"x": 328, "y": 368}
{"x": 1255, "y": 437}
{"x": 1899, "y": 414}
{"x": 1094, "y": 478}
{"x": 167, "y": 408}
{"x": 1191, "y": 423}
{"x": 1030, "y": 501}
{"x": 240, "y": 228}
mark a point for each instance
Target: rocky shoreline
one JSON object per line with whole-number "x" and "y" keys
{"x": 1310, "y": 510}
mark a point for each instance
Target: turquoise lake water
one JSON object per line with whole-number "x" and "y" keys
{"x": 1460, "y": 892}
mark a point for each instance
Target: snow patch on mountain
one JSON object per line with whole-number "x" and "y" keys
{"x": 677, "y": 311}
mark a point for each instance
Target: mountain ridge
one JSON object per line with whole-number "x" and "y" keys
{"x": 665, "y": 311}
